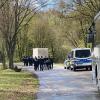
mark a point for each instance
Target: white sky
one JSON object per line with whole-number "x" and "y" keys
{"x": 52, "y": 3}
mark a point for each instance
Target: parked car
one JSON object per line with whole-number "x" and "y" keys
{"x": 80, "y": 58}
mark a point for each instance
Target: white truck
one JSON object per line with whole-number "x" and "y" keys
{"x": 96, "y": 52}
{"x": 38, "y": 52}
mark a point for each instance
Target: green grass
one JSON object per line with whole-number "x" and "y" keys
{"x": 17, "y": 85}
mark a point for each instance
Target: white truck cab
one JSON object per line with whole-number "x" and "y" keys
{"x": 96, "y": 52}
{"x": 96, "y": 65}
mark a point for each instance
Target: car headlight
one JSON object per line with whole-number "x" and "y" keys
{"x": 75, "y": 62}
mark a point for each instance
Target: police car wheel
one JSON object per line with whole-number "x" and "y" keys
{"x": 86, "y": 68}
{"x": 90, "y": 68}
{"x": 67, "y": 68}
{"x": 64, "y": 67}
{"x": 71, "y": 68}
{"x": 74, "y": 69}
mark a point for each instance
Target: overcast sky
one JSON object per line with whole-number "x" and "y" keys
{"x": 52, "y": 4}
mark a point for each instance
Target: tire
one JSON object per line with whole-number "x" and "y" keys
{"x": 87, "y": 68}
{"x": 64, "y": 67}
{"x": 90, "y": 68}
{"x": 74, "y": 69}
{"x": 71, "y": 68}
{"x": 68, "y": 67}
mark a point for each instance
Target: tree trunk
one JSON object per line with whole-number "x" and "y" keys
{"x": 4, "y": 61}
{"x": 11, "y": 64}
{"x": 10, "y": 53}
{"x": 4, "y": 64}
{"x": 3, "y": 54}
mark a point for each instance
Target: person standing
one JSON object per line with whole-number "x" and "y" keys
{"x": 51, "y": 62}
{"x": 30, "y": 60}
{"x": 36, "y": 64}
{"x": 45, "y": 66}
{"x": 23, "y": 59}
{"x": 41, "y": 63}
{"x": 26, "y": 60}
{"x": 48, "y": 63}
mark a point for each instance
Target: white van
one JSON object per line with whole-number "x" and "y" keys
{"x": 96, "y": 52}
{"x": 96, "y": 65}
{"x": 80, "y": 58}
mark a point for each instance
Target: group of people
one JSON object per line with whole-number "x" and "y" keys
{"x": 39, "y": 63}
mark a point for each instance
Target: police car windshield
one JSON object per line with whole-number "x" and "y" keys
{"x": 82, "y": 53}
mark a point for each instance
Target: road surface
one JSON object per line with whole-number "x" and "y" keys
{"x": 62, "y": 84}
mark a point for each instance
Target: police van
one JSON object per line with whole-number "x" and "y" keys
{"x": 80, "y": 58}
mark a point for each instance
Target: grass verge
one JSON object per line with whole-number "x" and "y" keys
{"x": 17, "y": 85}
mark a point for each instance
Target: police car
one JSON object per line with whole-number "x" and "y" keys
{"x": 80, "y": 58}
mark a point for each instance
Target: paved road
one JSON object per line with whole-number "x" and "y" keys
{"x": 62, "y": 84}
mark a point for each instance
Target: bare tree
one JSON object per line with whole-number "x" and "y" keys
{"x": 2, "y": 3}
{"x": 88, "y": 8}
{"x": 83, "y": 12}
{"x": 13, "y": 16}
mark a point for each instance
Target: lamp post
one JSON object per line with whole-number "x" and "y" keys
{"x": 94, "y": 34}
{"x": 91, "y": 35}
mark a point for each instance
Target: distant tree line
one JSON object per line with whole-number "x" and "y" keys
{"x": 24, "y": 26}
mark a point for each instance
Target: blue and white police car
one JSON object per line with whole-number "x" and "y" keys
{"x": 80, "y": 58}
